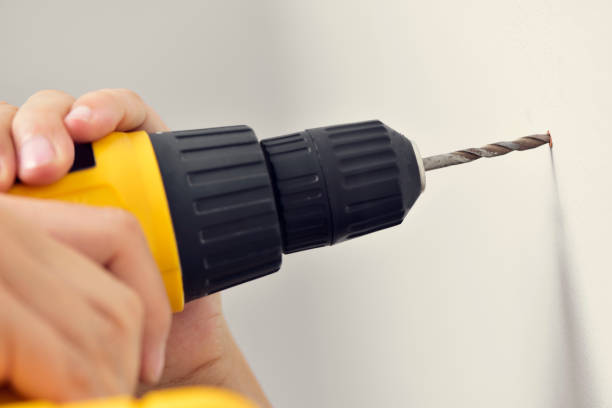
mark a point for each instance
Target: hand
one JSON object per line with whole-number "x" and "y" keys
{"x": 200, "y": 348}
{"x": 69, "y": 330}
{"x": 37, "y": 144}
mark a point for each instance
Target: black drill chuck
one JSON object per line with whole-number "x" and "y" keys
{"x": 238, "y": 204}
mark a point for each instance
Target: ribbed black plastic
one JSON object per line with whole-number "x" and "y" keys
{"x": 372, "y": 176}
{"x": 222, "y": 206}
{"x": 237, "y": 206}
{"x": 301, "y": 192}
{"x": 341, "y": 182}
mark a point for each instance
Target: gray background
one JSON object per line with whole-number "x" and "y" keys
{"x": 476, "y": 299}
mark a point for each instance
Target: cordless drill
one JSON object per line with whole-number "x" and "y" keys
{"x": 219, "y": 208}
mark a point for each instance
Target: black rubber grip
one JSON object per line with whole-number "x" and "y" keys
{"x": 372, "y": 174}
{"x": 340, "y": 182}
{"x": 222, "y": 206}
{"x": 237, "y": 205}
{"x": 301, "y": 192}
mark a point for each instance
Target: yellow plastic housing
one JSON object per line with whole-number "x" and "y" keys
{"x": 203, "y": 397}
{"x": 126, "y": 175}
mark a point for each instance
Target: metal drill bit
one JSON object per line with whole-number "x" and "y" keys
{"x": 490, "y": 150}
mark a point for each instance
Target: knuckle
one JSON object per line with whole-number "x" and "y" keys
{"x": 101, "y": 96}
{"x": 129, "y": 94}
{"x": 128, "y": 313}
{"x": 108, "y": 332}
{"x": 7, "y": 181}
{"x": 162, "y": 319}
{"x": 123, "y": 319}
{"x": 6, "y": 107}
{"x": 133, "y": 305}
{"x": 49, "y": 93}
{"x": 115, "y": 382}
{"x": 166, "y": 316}
{"x": 103, "y": 91}
{"x": 112, "y": 94}
{"x": 80, "y": 379}
{"x": 123, "y": 223}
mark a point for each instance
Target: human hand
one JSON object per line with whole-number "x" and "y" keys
{"x": 200, "y": 348}
{"x": 34, "y": 144}
{"x": 69, "y": 329}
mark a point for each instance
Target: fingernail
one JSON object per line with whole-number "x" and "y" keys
{"x": 158, "y": 365}
{"x": 36, "y": 151}
{"x": 82, "y": 113}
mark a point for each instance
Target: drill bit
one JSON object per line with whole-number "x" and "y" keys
{"x": 490, "y": 150}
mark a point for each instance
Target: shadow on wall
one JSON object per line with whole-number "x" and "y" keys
{"x": 578, "y": 371}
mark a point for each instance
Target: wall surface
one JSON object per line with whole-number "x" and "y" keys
{"x": 490, "y": 293}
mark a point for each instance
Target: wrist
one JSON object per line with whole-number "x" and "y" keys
{"x": 201, "y": 351}
{"x": 217, "y": 366}
{"x": 234, "y": 373}
{"x": 225, "y": 367}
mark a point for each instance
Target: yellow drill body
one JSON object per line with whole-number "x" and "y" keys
{"x": 203, "y": 397}
{"x": 125, "y": 175}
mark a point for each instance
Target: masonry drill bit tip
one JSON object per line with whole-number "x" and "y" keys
{"x": 550, "y": 143}
{"x": 490, "y": 150}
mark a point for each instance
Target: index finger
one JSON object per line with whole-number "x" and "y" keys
{"x": 44, "y": 148}
{"x": 99, "y": 113}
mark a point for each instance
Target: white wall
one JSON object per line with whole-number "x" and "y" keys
{"x": 466, "y": 304}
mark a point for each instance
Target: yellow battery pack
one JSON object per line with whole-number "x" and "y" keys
{"x": 195, "y": 397}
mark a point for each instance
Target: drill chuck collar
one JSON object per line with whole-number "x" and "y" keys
{"x": 238, "y": 204}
